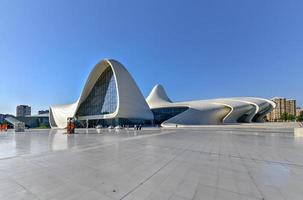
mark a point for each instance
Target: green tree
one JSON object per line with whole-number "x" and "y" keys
{"x": 300, "y": 117}
{"x": 291, "y": 117}
{"x": 284, "y": 116}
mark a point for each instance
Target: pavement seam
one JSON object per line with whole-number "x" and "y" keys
{"x": 152, "y": 175}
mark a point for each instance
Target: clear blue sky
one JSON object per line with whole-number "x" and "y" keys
{"x": 196, "y": 49}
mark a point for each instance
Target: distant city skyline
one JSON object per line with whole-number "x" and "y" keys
{"x": 221, "y": 48}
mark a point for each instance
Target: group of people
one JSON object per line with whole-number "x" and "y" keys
{"x": 137, "y": 127}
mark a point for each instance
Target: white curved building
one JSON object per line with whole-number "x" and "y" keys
{"x": 202, "y": 112}
{"x": 111, "y": 97}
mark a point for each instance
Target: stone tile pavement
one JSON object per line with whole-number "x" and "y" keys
{"x": 216, "y": 162}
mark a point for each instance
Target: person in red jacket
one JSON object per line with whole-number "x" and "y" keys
{"x": 70, "y": 126}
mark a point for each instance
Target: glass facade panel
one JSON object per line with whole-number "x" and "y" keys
{"x": 163, "y": 114}
{"x": 102, "y": 98}
{"x": 116, "y": 122}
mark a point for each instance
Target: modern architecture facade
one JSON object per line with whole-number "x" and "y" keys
{"x": 283, "y": 106}
{"x": 23, "y": 110}
{"x": 205, "y": 112}
{"x": 111, "y": 97}
{"x": 42, "y": 112}
{"x": 35, "y": 121}
{"x": 3, "y": 116}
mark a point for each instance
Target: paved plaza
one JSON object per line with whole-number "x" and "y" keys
{"x": 253, "y": 161}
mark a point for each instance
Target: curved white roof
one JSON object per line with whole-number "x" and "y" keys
{"x": 212, "y": 111}
{"x": 131, "y": 103}
{"x": 158, "y": 96}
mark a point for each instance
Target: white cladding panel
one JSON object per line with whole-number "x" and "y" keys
{"x": 131, "y": 103}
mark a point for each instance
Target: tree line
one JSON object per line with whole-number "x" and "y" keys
{"x": 289, "y": 117}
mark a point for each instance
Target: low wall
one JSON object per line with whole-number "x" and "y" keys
{"x": 298, "y": 132}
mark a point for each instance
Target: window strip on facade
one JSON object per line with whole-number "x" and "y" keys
{"x": 102, "y": 98}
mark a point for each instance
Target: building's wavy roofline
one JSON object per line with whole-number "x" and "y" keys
{"x": 130, "y": 102}
{"x": 132, "y": 105}
{"x": 232, "y": 109}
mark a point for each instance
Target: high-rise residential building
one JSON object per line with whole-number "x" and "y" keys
{"x": 299, "y": 111}
{"x": 283, "y": 105}
{"x": 291, "y": 107}
{"x": 23, "y": 110}
{"x": 275, "y": 115}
